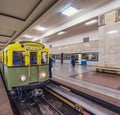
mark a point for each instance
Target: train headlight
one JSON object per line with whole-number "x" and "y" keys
{"x": 42, "y": 75}
{"x": 23, "y": 77}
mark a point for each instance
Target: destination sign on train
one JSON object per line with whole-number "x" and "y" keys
{"x": 33, "y": 48}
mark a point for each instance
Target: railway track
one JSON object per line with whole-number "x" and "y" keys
{"x": 44, "y": 104}
{"x": 56, "y": 100}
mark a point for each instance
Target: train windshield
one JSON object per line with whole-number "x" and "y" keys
{"x": 33, "y": 58}
{"x": 18, "y": 58}
{"x": 44, "y": 58}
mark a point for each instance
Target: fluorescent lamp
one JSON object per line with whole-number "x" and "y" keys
{"x": 60, "y": 33}
{"x": 112, "y": 31}
{"x": 27, "y": 36}
{"x": 91, "y": 22}
{"x": 39, "y": 28}
{"x": 69, "y": 11}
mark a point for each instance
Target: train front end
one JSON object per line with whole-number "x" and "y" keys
{"x": 26, "y": 65}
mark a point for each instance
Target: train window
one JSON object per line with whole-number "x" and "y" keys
{"x": 18, "y": 58}
{"x": 67, "y": 57}
{"x": 93, "y": 56}
{"x": 53, "y": 56}
{"x": 58, "y": 56}
{"x": 44, "y": 58}
{"x": 33, "y": 58}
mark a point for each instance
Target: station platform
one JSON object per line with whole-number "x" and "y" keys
{"x": 5, "y": 108}
{"x": 85, "y": 79}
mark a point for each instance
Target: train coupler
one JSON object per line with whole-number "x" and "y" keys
{"x": 37, "y": 92}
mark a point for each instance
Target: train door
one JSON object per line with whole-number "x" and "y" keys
{"x": 44, "y": 68}
{"x": 33, "y": 68}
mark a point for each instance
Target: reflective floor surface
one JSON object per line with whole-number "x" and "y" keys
{"x": 88, "y": 74}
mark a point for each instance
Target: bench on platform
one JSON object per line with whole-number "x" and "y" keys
{"x": 108, "y": 70}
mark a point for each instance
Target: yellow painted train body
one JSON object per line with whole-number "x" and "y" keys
{"x": 25, "y": 64}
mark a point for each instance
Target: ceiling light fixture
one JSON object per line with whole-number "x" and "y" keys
{"x": 112, "y": 31}
{"x": 27, "y": 36}
{"x": 91, "y": 22}
{"x": 61, "y": 33}
{"x": 69, "y": 11}
{"x": 40, "y": 28}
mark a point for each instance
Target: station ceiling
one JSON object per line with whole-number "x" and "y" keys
{"x": 19, "y": 18}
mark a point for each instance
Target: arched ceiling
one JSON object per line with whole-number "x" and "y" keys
{"x": 19, "y": 17}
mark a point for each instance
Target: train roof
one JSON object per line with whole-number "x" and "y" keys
{"x": 24, "y": 43}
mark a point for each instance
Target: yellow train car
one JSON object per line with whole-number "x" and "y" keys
{"x": 25, "y": 64}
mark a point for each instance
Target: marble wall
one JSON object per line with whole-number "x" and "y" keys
{"x": 109, "y": 41}
{"x": 91, "y": 46}
{"x": 92, "y": 34}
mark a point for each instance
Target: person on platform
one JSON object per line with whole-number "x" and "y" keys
{"x": 50, "y": 67}
{"x": 73, "y": 61}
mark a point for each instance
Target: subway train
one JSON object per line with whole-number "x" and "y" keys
{"x": 89, "y": 57}
{"x": 22, "y": 65}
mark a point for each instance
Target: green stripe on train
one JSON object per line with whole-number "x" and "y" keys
{"x": 13, "y": 75}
